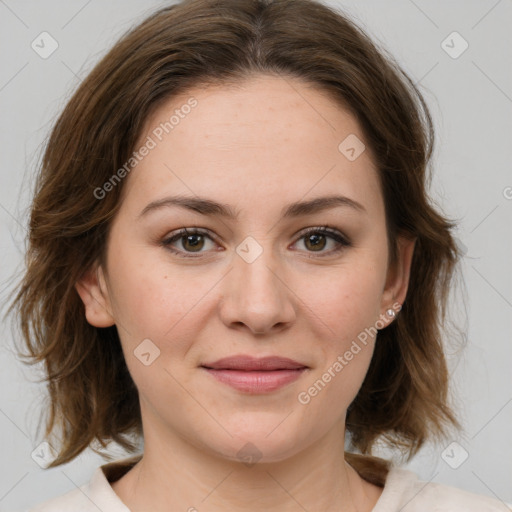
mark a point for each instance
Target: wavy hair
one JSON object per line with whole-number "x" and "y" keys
{"x": 404, "y": 397}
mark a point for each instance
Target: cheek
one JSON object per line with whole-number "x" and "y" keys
{"x": 346, "y": 304}
{"x": 148, "y": 299}
{"x": 157, "y": 313}
{"x": 170, "y": 307}
{"x": 347, "y": 299}
{"x": 350, "y": 309}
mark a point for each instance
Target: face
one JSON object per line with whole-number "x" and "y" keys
{"x": 259, "y": 277}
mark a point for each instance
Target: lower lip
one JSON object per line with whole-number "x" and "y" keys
{"x": 257, "y": 381}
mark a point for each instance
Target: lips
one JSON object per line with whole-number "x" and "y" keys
{"x": 255, "y": 375}
{"x": 249, "y": 364}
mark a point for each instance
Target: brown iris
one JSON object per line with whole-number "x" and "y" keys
{"x": 317, "y": 241}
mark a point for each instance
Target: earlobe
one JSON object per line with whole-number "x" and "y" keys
{"x": 93, "y": 291}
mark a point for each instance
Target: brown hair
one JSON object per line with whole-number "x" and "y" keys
{"x": 404, "y": 397}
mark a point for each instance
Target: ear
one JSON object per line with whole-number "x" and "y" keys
{"x": 397, "y": 280}
{"x": 92, "y": 289}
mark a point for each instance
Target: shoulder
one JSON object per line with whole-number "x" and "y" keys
{"x": 75, "y": 500}
{"x": 405, "y": 492}
{"x": 447, "y": 498}
{"x": 95, "y": 495}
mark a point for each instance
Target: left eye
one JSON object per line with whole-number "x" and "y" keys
{"x": 315, "y": 240}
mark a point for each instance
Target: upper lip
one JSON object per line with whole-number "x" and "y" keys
{"x": 249, "y": 363}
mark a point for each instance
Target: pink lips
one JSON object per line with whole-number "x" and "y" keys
{"x": 255, "y": 375}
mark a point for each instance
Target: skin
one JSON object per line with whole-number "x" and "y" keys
{"x": 257, "y": 147}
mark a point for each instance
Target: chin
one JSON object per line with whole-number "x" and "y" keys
{"x": 260, "y": 445}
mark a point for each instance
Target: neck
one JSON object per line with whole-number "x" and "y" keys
{"x": 173, "y": 474}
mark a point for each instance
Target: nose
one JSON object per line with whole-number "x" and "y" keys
{"x": 257, "y": 296}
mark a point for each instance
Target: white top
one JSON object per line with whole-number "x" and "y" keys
{"x": 403, "y": 492}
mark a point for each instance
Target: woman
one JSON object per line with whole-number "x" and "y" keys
{"x": 233, "y": 258}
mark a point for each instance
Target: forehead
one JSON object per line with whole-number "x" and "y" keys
{"x": 268, "y": 136}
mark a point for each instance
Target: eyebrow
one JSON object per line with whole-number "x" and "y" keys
{"x": 205, "y": 206}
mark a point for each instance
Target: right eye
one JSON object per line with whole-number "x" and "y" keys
{"x": 191, "y": 240}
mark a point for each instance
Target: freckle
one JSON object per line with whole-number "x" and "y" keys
{"x": 165, "y": 277}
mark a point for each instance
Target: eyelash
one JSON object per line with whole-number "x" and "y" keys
{"x": 324, "y": 230}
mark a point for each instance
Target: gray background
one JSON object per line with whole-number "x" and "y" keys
{"x": 471, "y": 101}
